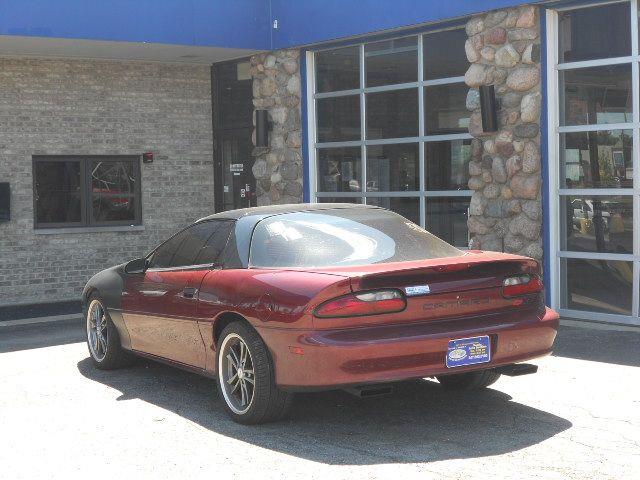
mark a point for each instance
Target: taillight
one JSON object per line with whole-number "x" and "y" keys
{"x": 365, "y": 303}
{"x": 521, "y": 285}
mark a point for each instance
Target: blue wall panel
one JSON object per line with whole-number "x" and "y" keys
{"x": 310, "y": 21}
{"x": 210, "y": 23}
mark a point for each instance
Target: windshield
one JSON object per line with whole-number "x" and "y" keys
{"x": 342, "y": 237}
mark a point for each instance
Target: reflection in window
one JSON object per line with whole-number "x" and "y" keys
{"x": 448, "y": 164}
{"x": 392, "y": 114}
{"x": 444, "y": 55}
{"x": 598, "y": 159}
{"x": 393, "y": 168}
{"x": 597, "y": 95}
{"x": 596, "y": 32}
{"x": 597, "y": 224}
{"x": 338, "y": 118}
{"x": 447, "y": 219}
{"x": 338, "y": 69}
{"x": 58, "y": 192}
{"x": 339, "y": 170}
{"x": 445, "y": 109}
{"x": 391, "y": 61}
{"x": 113, "y": 191}
{"x": 597, "y": 285}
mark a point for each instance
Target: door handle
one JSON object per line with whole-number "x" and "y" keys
{"x": 189, "y": 292}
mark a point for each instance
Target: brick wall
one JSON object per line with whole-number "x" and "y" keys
{"x": 97, "y": 107}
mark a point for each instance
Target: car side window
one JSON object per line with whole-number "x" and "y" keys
{"x": 211, "y": 251}
{"x": 163, "y": 255}
{"x": 195, "y": 239}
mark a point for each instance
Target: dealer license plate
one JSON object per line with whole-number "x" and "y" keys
{"x": 468, "y": 351}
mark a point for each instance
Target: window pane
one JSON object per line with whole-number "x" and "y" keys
{"x": 393, "y": 168}
{"x": 447, "y": 165}
{"x": 444, "y": 54}
{"x": 339, "y": 169}
{"x": 338, "y": 118}
{"x": 445, "y": 109}
{"x": 447, "y": 218}
{"x": 596, "y": 95}
{"x": 339, "y": 200}
{"x": 164, "y": 254}
{"x": 597, "y": 32}
{"x": 600, "y": 159}
{"x": 597, "y": 224}
{"x": 193, "y": 240}
{"x": 408, "y": 207}
{"x": 392, "y": 114}
{"x": 219, "y": 230}
{"x": 235, "y": 94}
{"x": 597, "y": 285}
{"x": 391, "y": 61}
{"x": 113, "y": 189}
{"x": 58, "y": 191}
{"x": 337, "y": 69}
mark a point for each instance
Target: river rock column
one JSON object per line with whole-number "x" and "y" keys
{"x": 276, "y": 88}
{"x": 505, "y": 214}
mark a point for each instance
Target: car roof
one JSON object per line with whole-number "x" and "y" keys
{"x": 269, "y": 210}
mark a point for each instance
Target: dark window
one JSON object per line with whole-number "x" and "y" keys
{"x": 338, "y": 69}
{"x": 444, "y": 55}
{"x": 342, "y": 237}
{"x": 596, "y": 32}
{"x": 73, "y": 191}
{"x": 391, "y": 61}
{"x": 445, "y": 109}
{"x": 198, "y": 244}
{"x": 235, "y": 87}
{"x": 338, "y": 118}
{"x": 392, "y": 114}
{"x": 339, "y": 169}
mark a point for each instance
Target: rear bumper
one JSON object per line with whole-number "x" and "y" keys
{"x": 325, "y": 359}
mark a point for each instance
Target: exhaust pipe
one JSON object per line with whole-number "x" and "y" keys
{"x": 370, "y": 391}
{"x": 517, "y": 369}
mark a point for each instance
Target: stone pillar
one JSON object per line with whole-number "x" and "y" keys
{"x": 505, "y": 213}
{"x": 276, "y": 88}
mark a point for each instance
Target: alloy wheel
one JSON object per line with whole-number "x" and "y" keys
{"x": 97, "y": 332}
{"x": 236, "y": 374}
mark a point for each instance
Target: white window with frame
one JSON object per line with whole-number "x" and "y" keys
{"x": 594, "y": 130}
{"x": 389, "y": 126}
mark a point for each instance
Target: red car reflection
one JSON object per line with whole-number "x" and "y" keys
{"x": 273, "y": 300}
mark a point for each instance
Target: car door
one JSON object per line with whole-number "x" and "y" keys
{"x": 159, "y": 306}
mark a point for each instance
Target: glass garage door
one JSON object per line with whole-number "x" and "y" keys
{"x": 391, "y": 129}
{"x": 595, "y": 179}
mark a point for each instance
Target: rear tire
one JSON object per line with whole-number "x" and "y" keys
{"x": 246, "y": 377}
{"x": 469, "y": 380}
{"x": 103, "y": 342}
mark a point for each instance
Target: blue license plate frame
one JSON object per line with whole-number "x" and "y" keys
{"x": 462, "y": 352}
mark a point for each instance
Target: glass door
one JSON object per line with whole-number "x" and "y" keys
{"x": 594, "y": 161}
{"x": 234, "y": 182}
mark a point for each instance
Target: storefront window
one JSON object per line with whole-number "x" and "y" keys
{"x": 393, "y": 127}
{"x": 597, "y": 238}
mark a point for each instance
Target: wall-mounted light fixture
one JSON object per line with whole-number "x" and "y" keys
{"x": 262, "y": 128}
{"x": 488, "y": 108}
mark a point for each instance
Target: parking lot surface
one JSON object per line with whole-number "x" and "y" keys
{"x": 577, "y": 418}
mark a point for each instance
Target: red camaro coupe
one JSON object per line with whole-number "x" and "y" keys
{"x": 273, "y": 300}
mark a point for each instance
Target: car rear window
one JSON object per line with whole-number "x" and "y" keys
{"x": 342, "y": 237}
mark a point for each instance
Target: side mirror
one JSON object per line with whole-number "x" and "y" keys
{"x": 139, "y": 265}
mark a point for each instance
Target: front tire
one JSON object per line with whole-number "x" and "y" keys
{"x": 102, "y": 337}
{"x": 469, "y": 380}
{"x": 246, "y": 377}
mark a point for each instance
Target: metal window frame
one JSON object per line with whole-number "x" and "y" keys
{"x": 556, "y": 193}
{"x": 86, "y": 194}
{"x": 312, "y": 121}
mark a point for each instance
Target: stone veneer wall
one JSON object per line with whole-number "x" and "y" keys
{"x": 276, "y": 88}
{"x": 505, "y": 213}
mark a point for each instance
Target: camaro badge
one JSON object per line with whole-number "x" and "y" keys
{"x": 417, "y": 290}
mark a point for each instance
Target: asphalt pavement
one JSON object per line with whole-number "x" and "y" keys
{"x": 577, "y": 418}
